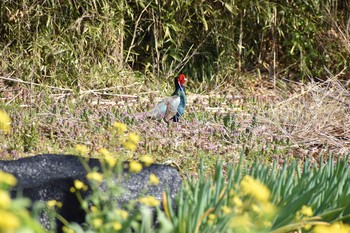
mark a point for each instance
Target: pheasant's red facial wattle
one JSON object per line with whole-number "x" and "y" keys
{"x": 182, "y": 79}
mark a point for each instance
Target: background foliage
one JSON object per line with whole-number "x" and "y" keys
{"x": 88, "y": 43}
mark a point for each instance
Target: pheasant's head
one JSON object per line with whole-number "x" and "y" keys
{"x": 181, "y": 79}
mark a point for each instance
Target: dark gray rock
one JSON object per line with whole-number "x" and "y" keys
{"x": 50, "y": 176}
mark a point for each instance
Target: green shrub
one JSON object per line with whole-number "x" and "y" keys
{"x": 259, "y": 198}
{"x": 265, "y": 199}
{"x": 14, "y": 215}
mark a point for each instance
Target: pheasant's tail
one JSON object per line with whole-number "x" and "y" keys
{"x": 140, "y": 116}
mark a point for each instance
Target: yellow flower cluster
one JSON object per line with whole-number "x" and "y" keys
{"x": 119, "y": 127}
{"x": 67, "y": 230}
{"x": 237, "y": 202}
{"x": 131, "y": 141}
{"x": 7, "y": 179}
{"x": 255, "y": 188}
{"x": 211, "y": 219}
{"x": 135, "y": 167}
{"x": 107, "y": 156}
{"x": 117, "y": 226}
{"x": 95, "y": 176}
{"x": 226, "y": 210}
{"x": 122, "y": 213}
{"x": 149, "y": 201}
{"x": 5, "y": 122}
{"x": 304, "y": 211}
{"x": 97, "y": 222}
{"x": 81, "y": 150}
{"x": 241, "y": 223}
{"x": 79, "y": 185}
{"x": 94, "y": 209}
{"x": 251, "y": 205}
{"x": 8, "y": 221}
{"x": 336, "y": 227}
{"x": 147, "y": 160}
{"x": 153, "y": 179}
{"x": 54, "y": 203}
{"x": 5, "y": 199}
{"x": 104, "y": 152}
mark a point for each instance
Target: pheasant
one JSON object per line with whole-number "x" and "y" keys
{"x": 173, "y": 107}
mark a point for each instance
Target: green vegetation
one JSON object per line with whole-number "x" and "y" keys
{"x": 259, "y": 198}
{"x": 14, "y": 214}
{"x": 89, "y": 44}
{"x": 254, "y": 198}
{"x": 268, "y": 85}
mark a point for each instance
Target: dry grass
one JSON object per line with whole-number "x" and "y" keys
{"x": 272, "y": 124}
{"x": 315, "y": 118}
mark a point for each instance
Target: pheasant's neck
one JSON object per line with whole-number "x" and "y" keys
{"x": 182, "y": 93}
{"x": 179, "y": 90}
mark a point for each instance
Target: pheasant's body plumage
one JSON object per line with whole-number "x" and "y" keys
{"x": 173, "y": 107}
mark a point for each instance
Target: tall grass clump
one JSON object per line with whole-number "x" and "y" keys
{"x": 265, "y": 199}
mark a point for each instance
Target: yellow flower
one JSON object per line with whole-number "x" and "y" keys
{"x": 8, "y": 222}
{"x": 94, "y": 209}
{"x": 5, "y": 199}
{"x": 122, "y": 213}
{"x": 153, "y": 179}
{"x": 211, "y": 218}
{"x": 111, "y": 161}
{"x": 67, "y": 230}
{"x": 135, "y": 167}
{"x": 51, "y": 203}
{"x": 54, "y": 203}
{"x": 241, "y": 222}
{"x": 79, "y": 185}
{"x": 72, "y": 190}
{"x": 307, "y": 227}
{"x": 107, "y": 156}
{"x": 336, "y": 227}
{"x": 104, "y": 152}
{"x": 131, "y": 141}
{"x": 255, "y": 188}
{"x": 117, "y": 226}
{"x": 147, "y": 160}
{"x": 7, "y": 179}
{"x": 81, "y": 150}
{"x": 120, "y": 127}
{"x": 97, "y": 222}
{"x": 226, "y": 209}
{"x": 95, "y": 176}
{"x": 133, "y": 138}
{"x": 237, "y": 202}
{"x": 256, "y": 209}
{"x": 268, "y": 209}
{"x": 5, "y": 122}
{"x": 130, "y": 146}
{"x": 232, "y": 192}
{"x": 306, "y": 211}
{"x": 149, "y": 201}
